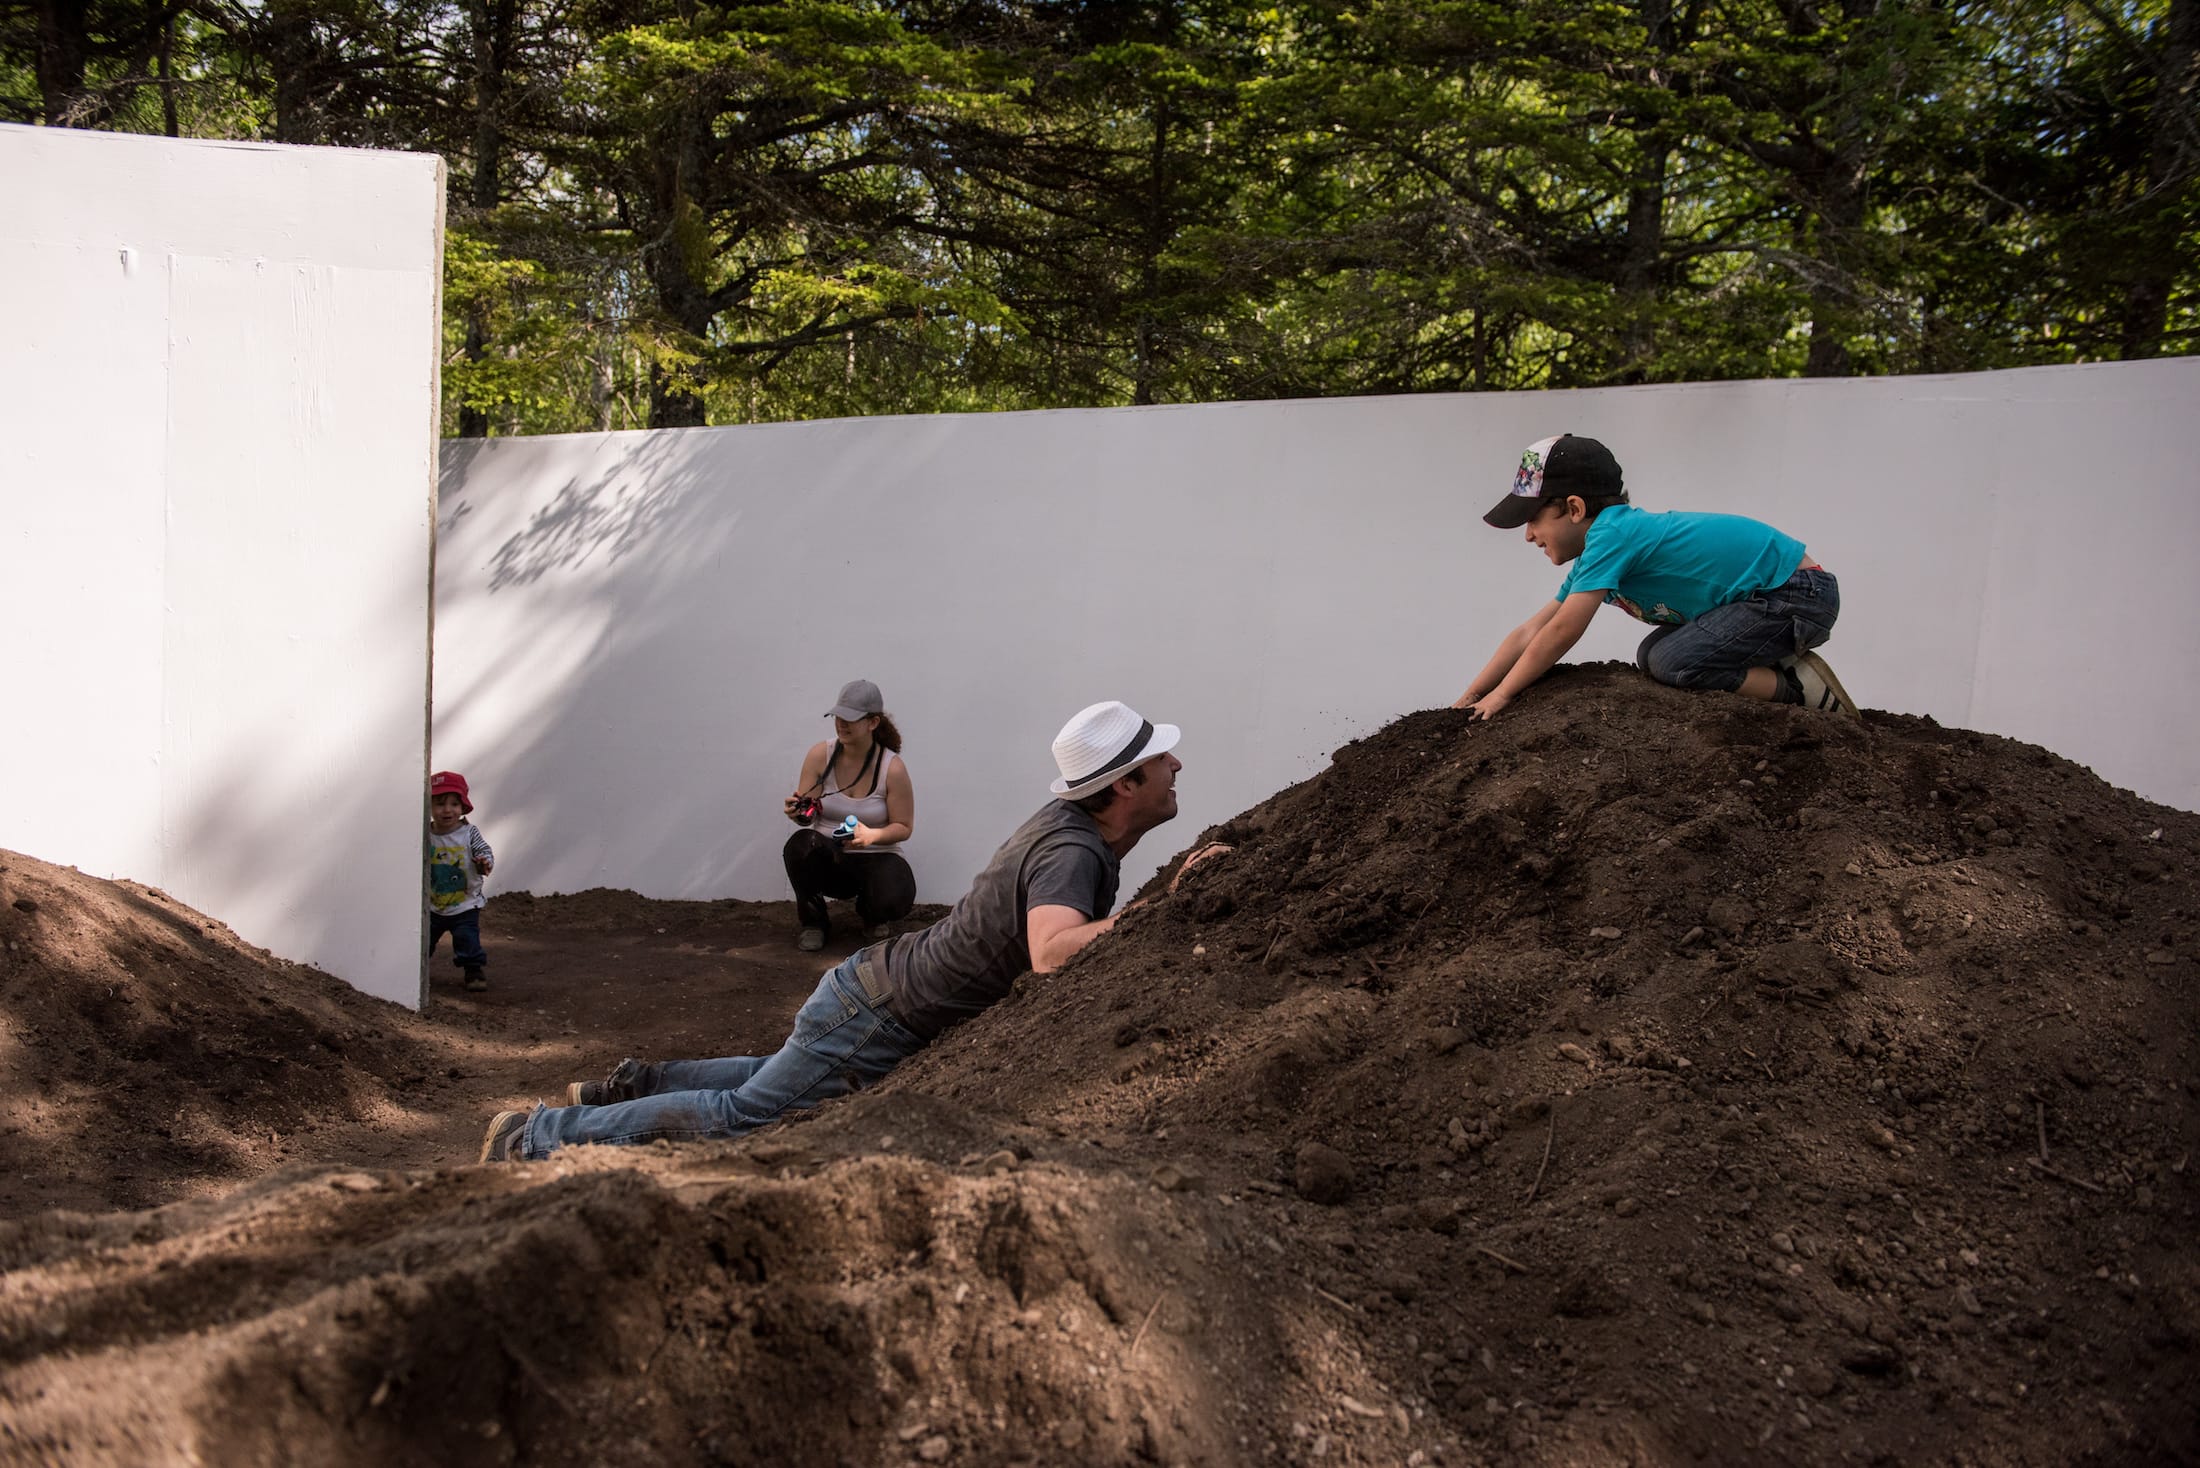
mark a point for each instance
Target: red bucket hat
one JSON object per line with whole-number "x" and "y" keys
{"x": 450, "y": 782}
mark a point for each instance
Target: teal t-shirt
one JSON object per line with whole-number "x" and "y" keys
{"x": 1673, "y": 566}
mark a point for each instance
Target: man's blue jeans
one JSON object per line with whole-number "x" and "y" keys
{"x": 844, "y": 1039}
{"x": 1720, "y": 647}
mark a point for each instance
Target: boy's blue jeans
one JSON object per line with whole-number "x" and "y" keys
{"x": 844, "y": 1039}
{"x": 1721, "y": 646}
{"x": 465, "y": 930}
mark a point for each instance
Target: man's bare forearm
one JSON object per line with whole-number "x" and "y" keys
{"x": 1065, "y": 945}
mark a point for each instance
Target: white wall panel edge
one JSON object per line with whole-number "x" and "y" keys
{"x": 432, "y": 472}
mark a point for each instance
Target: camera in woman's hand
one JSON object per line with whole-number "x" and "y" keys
{"x": 804, "y": 809}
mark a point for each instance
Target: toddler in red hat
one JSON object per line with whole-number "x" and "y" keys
{"x": 458, "y": 858}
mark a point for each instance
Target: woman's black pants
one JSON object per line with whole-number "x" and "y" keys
{"x": 819, "y": 867}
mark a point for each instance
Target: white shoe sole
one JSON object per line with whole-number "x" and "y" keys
{"x": 1843, "y": 704}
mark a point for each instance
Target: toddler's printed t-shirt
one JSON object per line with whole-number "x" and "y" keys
{"x": 454, "y": 877}
{"x": 1674, "y": 565}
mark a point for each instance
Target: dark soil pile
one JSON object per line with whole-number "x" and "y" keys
{"x": 1713, "y": 1077}
{"x": 141, "y": 1041}
{"x": 1639, "y": 1078}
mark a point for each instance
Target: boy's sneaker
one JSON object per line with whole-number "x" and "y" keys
{"x": 476, "y": 980}
{"x": 501, "y": 1143}
{"x": 611, "y": 1090}
{"x": 812, "y": 940}
{"x": 1821, "y": 690}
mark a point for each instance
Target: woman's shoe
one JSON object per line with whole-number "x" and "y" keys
{"x": 812, "y": 940}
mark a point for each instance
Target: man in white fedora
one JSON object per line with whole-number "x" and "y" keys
{"x": 1048, "y": 892}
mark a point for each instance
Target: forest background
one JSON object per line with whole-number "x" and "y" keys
{"x": 676, "y": 212}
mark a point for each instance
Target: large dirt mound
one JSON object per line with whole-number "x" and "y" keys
{"x": 1636, "y": 1078}
{"x": 137, "y": 1034}
{"x": 1764, "y": 1077}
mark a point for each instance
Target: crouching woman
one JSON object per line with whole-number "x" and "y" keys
{"x": 855, "y": 806}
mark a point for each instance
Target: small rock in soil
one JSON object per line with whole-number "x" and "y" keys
{"x": 1171, "y": 1178}
{"x": 1323, "y": 1174}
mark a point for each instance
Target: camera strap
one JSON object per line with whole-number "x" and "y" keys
{"x": 833, "y": 758}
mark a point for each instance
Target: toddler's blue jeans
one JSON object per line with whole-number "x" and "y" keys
{"x": 1721, "y": 646}
{"x": 844, "y": 1039}
{"x": 465, "y": 930}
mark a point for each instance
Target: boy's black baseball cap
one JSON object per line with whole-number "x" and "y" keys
{"x": 1552, "y": 468}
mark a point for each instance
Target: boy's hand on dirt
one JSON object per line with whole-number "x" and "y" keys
{"x": 1489, "y": 705}
{"x": 1212, "y": 848}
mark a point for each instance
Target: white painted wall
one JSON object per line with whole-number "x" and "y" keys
{"x": 637, "y": 632}
{"x": 217, "y": 434}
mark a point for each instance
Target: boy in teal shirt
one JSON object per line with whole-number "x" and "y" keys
{"x": 1736, "y": 605}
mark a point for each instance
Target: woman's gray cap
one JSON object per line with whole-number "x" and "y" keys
{"x": 858, "y": 700}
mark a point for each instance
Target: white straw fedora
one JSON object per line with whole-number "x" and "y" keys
{"x": 1102, "y": 744}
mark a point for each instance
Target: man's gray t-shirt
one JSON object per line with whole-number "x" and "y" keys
{"x": 964, "y": 963}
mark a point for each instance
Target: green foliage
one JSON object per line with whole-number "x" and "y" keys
{"x": 721, "y": 211}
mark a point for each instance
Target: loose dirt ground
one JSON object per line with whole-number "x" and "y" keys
{"x": 1638, "y": 1078}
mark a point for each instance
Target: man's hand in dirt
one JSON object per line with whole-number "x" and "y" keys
{"x": 1489, "y": 705}
{"x": 1212, "y": 848}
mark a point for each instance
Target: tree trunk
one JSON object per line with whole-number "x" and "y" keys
{"x": 63, "y": 45}
{"x": 1645, "y": 247}
{"x": 286, "y": 43}
{"x": 493, "y": 22}
{"x": 1839, "y": 210}
{"x": 671, "y": 407}
{"x": 168, "y": 119}
{"x": 2173, "y": 155}
{"x": 1156, "y": 239}
{"x": 1638, "y": 281}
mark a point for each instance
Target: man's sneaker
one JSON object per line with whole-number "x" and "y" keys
{"x": 476, "y": 980}
{"x": 812, "y": 940}
{"x": 1821, "y": 690}
{"x": 620, "y": 1085}
{"x": 501, "y": 1144}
